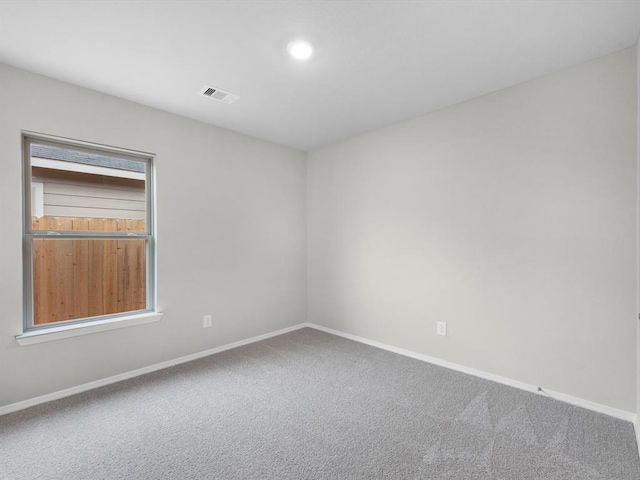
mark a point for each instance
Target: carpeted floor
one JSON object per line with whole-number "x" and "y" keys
{"x": 308, "y": 405}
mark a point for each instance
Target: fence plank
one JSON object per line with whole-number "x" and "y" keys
{"x": 96, "y": 271}
{"x": 81, "y": 283}
{"x": 62, "y": 275}
{"x": 110, "y": 269}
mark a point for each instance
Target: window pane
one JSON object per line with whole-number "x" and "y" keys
{"x": 75, "y": 190}
{"x": 74, "y": 279}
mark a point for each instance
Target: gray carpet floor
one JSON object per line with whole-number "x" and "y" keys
{"x": 308, "y": 405}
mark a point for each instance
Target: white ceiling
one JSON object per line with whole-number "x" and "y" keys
{"x": 376, "y": 62}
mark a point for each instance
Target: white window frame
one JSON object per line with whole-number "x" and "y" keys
{"x": 38, "y": 333}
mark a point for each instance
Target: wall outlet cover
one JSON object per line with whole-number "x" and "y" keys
{"x": 207, "y": 321}
{"x": 442, "y": 329}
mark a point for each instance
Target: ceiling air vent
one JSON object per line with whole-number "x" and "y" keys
{"x": 220, "y": 95}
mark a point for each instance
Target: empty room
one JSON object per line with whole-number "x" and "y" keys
{"x": 329, "y": 240}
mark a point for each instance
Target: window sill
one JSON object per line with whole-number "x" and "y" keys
{"x": 67, "y": 331}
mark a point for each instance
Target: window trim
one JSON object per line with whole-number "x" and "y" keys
{"x": 57, "y": 332}
{"x": 103, "y": 322}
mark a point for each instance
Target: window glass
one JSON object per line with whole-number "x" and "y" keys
{"x": 76, "y": 279}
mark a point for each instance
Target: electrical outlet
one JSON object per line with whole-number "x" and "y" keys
{"x": 442, "y": 329}
{"x": 207, "y": 321}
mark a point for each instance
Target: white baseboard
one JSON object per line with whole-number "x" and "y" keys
{"x": 14, "y": 407}
{"x": 596, "y": 407}
{"x": 621, "y": 414}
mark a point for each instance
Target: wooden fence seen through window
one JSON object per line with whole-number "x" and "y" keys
{"x": 80, "y": 278}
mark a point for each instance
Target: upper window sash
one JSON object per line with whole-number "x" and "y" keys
{"x": 30, "y": 139}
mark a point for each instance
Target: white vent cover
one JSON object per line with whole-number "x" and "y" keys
{"x": 217, "y": 94}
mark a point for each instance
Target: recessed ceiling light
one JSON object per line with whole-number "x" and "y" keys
{"x": 300, "y": 50}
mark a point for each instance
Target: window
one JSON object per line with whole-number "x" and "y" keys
{"x": 88, "y": 233}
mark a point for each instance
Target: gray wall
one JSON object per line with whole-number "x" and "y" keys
{"x": 231, "y": 235}
{"x": 512, "y": 217}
